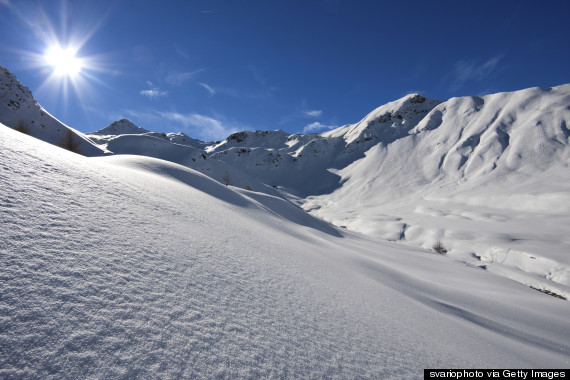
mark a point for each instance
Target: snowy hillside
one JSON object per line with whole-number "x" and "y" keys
{"x": 126, "y": 127}
{"x": 135, "y": 267}
{"x": 301, "y": 164}
{"x": 123, "y": 137}
{"x": 488, "y": 176}
{"x": 19, "y": 110}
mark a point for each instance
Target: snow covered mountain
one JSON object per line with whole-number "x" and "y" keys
{"x": 423, "y": 140}
{"x": 305, "y": 164}
{"x": 487, "y": 175}
{"x": 131, "y": 266}
{"x": 120, "y": 127}
{"x": 123, "y": 137}
{"x": 19, "y": 110}
{"x": 136, "y": 260}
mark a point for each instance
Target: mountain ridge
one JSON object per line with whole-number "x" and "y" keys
{"x": 19, "y": 110}
{"x": 413, "y": 171}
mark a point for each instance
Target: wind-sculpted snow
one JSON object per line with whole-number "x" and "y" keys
{"x": 133, "y": 267}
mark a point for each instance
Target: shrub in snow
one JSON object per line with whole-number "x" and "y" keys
{"x": 70, "y": 142}
{"x": 21, "y": 127}
{"x": 439, "y": 248}
{"x": 226, "y": 178}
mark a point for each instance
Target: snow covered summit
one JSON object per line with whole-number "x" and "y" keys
{"x": 388, "y": 122}
{"x": 120, "y": 127}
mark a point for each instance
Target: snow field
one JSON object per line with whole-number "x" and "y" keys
{"x": 136, "y": 267}
{"x": 482, "y": 174}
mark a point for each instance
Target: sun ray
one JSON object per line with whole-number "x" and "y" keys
{"x": 61, "y": 53}
{"x": 63, "y": 61}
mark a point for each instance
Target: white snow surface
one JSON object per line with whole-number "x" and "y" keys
{"x": 142, "y": 264}
{"x": 488, "y": 176}
{"x": 135, "y": 267}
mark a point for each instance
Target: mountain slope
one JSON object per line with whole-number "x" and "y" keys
{"x": 428, "y": 140}
{"x": 467, "y": 139}
{"x": 19, "y": 110}
{"x": 486, "y": 175}
{"x": 301, "y": 164}
{"x": 178, "y": 149}
{"x": 130, "y": 266}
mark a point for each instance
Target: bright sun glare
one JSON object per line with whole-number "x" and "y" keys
{"x": 60, "y": 57}
{"x": 63, "y": 61}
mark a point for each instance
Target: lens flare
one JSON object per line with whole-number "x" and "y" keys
{"x": 63, "y": 52}
{"x": 64, "y": 61}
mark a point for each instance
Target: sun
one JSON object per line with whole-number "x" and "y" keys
{"x": 64, "y": 61}
{"x": 63, "y": 53}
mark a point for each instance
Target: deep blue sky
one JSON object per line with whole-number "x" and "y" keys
{"x": 208, "y": 68}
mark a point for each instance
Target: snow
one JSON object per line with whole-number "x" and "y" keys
{"x": 155, "y": 255}
{"x": 131, "y": 266}
{"x": 120, "y": 127}
{"x": 483, "y": 174}
{"x": 488, "y": 176}
{"x": 19, "y": 109}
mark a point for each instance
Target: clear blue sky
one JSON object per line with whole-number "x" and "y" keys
{"x": 208, "y": 68}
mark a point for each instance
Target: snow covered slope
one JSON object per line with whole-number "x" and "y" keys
{"x": 19, "y": 110}
{"x": 135, "y": 267}
{"x": 301, "y": 164}
{"x": 177, "y": 148}
{"x": 489, "y": 176}
{"x": 126, "y": 127}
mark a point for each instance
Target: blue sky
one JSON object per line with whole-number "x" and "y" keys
{"x": 209, "y": 68}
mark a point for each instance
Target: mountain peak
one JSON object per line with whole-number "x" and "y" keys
{"x": 121, "y": 127}
{"x": 19, "y": 97}
{"x": 273, "y": 139}
{"x": 388, "y": 122}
